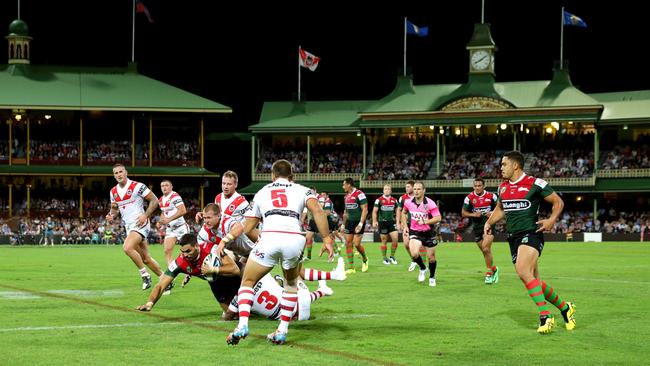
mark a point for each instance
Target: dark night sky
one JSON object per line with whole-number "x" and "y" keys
{"x": 254, "y": 49}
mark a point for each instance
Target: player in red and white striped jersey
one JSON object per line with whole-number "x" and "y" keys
{"x": 127, "y": 200}
{"x": 172, "y": 207}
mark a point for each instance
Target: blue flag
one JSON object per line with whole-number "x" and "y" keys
{"x": 570, "y": 19}
{"x": 414, "y": 29}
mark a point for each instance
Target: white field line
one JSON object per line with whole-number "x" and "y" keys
{"x": 87, "y": 326}
{"x": 22, "y": 295}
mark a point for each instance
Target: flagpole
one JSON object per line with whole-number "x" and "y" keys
{"x": 482, "y": 11}
{"x": 18, "y": 10}
{"x": 299, "y": 73}
{"x": 404, "y": 70}
{"x": 562, "y": 41}
{"x": 133, "y": 34}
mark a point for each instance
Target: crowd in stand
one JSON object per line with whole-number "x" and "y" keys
{"x": 557, "y": 163}
{"x": 463, "y": 165}
{"x": 104, "y": 152}
{"x": 401, "y": 166}
{"x": 627, "y": 157}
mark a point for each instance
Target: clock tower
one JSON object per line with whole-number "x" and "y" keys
{"x": 481, "y": 50}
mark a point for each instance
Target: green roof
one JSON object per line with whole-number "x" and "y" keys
{"x": 109, "y": 89}
{"x": 310, "y": 116}
{"x": 625, "y": 107}
{"x": 59, "y": 170}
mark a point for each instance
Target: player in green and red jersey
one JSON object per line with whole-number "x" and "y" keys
{"x": 383, "y": 218}
{"x": 354, "y": 220}
{"x": 519, "y": 199}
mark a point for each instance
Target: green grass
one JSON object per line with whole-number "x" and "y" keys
{"x": 381, "y": 317}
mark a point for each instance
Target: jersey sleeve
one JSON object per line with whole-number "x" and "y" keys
{"x": 142, "y": 190}
{"x": 467, "y": 205}
{"x": 202, "y": 237}
{"x": 112, "y": 198}
{"x": 362, "y": 198}
{"x": 433, "y": 209}
{"x": 377, "y": 203}
{"x": 177, "y": 201}
{"x": 493, "y": 204}
{"x": 543, "y": 187}
{"x": 254, "y": 208}
{"x": 501, "y": 189}
{"x": 173, "y": 270}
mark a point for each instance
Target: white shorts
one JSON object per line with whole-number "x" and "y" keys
{"x": 177, "y": 231}
{"x": 274, "y": 248}
{"x": 241, "y": 246}
{"x": 144, "y": 230}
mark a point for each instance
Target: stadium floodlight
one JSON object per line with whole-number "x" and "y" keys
{"x": 503, "y": 126}
{"x": 549, "y": 130}
{"x": 555, "y": 125}
{"x": 625, "y": 127}
{"x": 431, "y": 127}
{"x": 48, "y": 116}
{"x": 457, "y": 131}
{"x": 527, "y": 130}
{"x": 478, "y": 125}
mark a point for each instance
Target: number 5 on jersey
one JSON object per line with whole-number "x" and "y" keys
{"x": 279, "y": 198}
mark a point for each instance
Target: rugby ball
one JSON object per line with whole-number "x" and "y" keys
{"x": 213, "y": 260}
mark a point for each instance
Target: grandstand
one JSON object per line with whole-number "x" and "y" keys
{"x": 593, "y": 148}
{"x": 66, "y": 126}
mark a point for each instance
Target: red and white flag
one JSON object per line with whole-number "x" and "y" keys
{"x": 308, "y": 60}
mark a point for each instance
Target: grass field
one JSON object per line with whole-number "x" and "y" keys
{"x": 74, "y": 305}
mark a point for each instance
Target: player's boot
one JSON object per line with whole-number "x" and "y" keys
{"x": 237, "y": 334}
{"x": 146, "y": 282}
{"x": 569, "y": 316}
{"x": 364, "y": 266}
{"x": 280, "y": 280}
{"x": 386, "y": 261}
{"x": 186, "y": 280}
{"x": 340, "y": 270}
{"x": 432, "y": 282}
{"x": 393, "y": 260}
{"x": 422, "y": 275}
{"x": 350, "y": 271}
{"x": 168, "y": 289}
{"x": 495, "y": 276}
{"x": 326, "y": 290}
{"x": 277, "y": 337}
{"x": 412, "y": 266}
{"x": 546, "y": 324}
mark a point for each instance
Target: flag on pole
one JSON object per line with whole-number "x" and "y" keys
{"x": 414, "y": 29}
{"x": 141, "y": 8}
{"x": 570, "y": 19}
{"x": 308, "y": 60}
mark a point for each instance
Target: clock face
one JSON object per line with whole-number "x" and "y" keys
{"x": 480, "y": 60}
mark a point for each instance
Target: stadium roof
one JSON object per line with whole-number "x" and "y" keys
{"x": 24, "y": 86}
{"x": 508, "y": 102}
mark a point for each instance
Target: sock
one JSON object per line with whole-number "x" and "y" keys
{"x": 362, "y": 251}
{"x": 287, "y": 306}
{"x": 383, "y": 248}
{"x": 420, "y": 263}
{"x": 423, "y": 254}
{"x": 143, "y": 272}
{"x": 245, "y": 299}
{"x": 349, "y": 252}
{"x": 315, "y": 275}
{"x": 308, "y": 245}
{"x": 393, "y": 248}
{"x": 536, "y": 293}
{"x": 316, "y": 295}
{"x": 554, "y": 298}
{"x": 432, "y": 269}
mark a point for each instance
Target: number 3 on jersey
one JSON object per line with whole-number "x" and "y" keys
{"x": 279, "y": 198}
{"x": 270, "y": 300}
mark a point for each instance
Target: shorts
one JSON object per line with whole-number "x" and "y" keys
{"x": 532, "y": 239}
{"x": 144, "y": 230}
{"x": 312, "y": 226}
{"x": 387, "y": 227}
{"x": 333, "y": 224}
{"x": 275, "y": 247}
{"x": 351, "y": 227}
{"x": 478, "y": 234}
{"x": 176, "y": 231}
{"x": 225, "y": 289}
{"x": 427, "y": 238}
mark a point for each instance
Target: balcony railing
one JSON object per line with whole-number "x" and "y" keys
{"x": 312, "y": 176}
{"x": 623, "y": 173}
{"x": 467, "y": 183}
